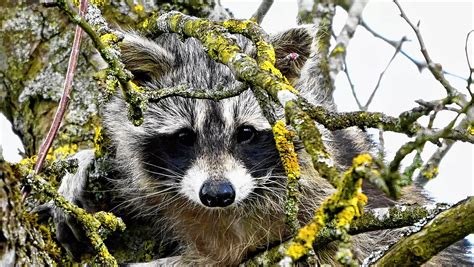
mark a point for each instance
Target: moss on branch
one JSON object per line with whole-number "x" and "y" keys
{"x": 289, "y": 158}
{"x": 371, "y": 220}
{"x": 342, "y": 207}
{"x": 97, "y": 226}
{"x": 445, "y": 229}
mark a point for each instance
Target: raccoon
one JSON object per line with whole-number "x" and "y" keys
{"x": 207, "y": 171}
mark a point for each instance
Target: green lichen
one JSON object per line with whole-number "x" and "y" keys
{"x": 446, "y": 228}
{"x": 312, "y": 141}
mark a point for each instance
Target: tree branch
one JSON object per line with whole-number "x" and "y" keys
{"x": 371, "y": 220}
{"x": 336, "y": 59}
{"x": 262, "y": 11}
{"x": 434, "y": 68}
{"x": 58, "y": 117}
{"x": 444, "y": 230}
{"x": 106, "y": 43}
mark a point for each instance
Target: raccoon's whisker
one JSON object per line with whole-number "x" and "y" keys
{"x": 163, "y": 174}
{"x": 163, "y": 168}
{"x": 260, "y": 163}
{"x": 147, "y": 195}
{"x": 165, "y": 160}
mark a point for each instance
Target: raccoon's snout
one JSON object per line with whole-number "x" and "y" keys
{"x": 217, "y": 193}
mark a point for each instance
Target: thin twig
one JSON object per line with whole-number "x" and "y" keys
{"x": 471, "y": 69}
{"x": 434, "y": 68}
{"x": 430, "y": 169}
{"x": 262, "y": 11}
{"x": 397, "y": 50}
{"x": 65, "y": 96}
{"x": 351, "y": 84}
{"x": 420, "y": 65}
{"x": 337, "y": 55}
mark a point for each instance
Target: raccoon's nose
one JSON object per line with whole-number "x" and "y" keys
{"x": 217, "y": 193}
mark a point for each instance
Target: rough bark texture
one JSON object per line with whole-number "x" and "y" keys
{"x": 35, "y": 43}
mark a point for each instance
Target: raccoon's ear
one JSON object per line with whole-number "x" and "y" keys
{"x": 144, "y": 58}
{"x": 292, "y": 49}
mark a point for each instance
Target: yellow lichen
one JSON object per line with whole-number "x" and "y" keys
{"x": 362, "y": 159}
{"x": 296, "y": 251}
{"x": 145, "y": 24}
{"x": 98, "y": 141}
{"x": 430, "y": 173}
{"x": 61, "y": 152}
{"x": 109, "y": 38}
{"x": 135, "y": 87}
{"x": 342, "y": 206}
{"x": 98, "y": 2}
{"x": 138, "y": 8}
{"x": 286, "y": 148}
{"x": 338, "y": 50}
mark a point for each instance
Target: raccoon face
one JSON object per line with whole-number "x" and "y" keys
{"x": 212, "y": 151}
{"x": 213, "y": 154}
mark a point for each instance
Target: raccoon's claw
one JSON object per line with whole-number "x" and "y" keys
{"x": 69, "y": 232}
{"x": 71, "y": 235}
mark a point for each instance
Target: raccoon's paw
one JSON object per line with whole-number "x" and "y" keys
{"x": 69, "y": 231}
{"x": 71, "y": 234}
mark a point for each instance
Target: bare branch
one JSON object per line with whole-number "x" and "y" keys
{"x": 420, "y": 65}
{"x": 435, "y": 68}
{"x": 397, "y": 50}
{"x": 351, "y": 84}
{"x": 58, "y": 117}
{"x": 262, "y": 11}
{"x": 471, "y": 69}
{"x": 336, "y": 60}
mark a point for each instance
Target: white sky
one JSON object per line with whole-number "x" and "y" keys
{"x": 444, "y": 25}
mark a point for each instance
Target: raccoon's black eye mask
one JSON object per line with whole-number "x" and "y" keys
{"x": 245, "y": 134}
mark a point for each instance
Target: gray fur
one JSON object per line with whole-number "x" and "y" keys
{"x": 152, "y": 169}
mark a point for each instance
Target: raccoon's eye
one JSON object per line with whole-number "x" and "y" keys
{"x": 245, "y": 134}
{"x": 186, "y": 137}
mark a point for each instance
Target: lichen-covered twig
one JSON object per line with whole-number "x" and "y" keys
{"x": 342, "y": 207}
{"x": 371, "y": 220}
{"x": 96, "y": 226}
{"x": 422, "y": 138}
{"x": 191, "y": 92}
{"x": 286, "y": 148}
{"x": 262, "y": 11}
{"x": 404, "y": 124}
{"x": 430, "y": 169}
{"x": 445, "y": 229}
